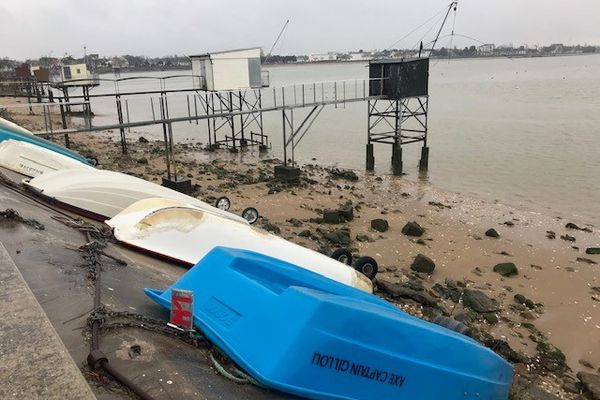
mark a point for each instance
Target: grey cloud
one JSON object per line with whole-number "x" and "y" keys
{"x": 152, "y": 27}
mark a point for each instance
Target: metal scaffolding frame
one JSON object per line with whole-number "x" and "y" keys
{"x": 291, "y": 136}
{"x": 397, "y": 122}
{"x": 235, "y": 118}
{"x": 248, "y": 131}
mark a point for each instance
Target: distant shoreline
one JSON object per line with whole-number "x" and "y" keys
{"x": 435, "y": 58}
{"x": 108, "y": 70}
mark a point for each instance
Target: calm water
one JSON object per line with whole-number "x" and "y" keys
{"x": 523, "y": 131}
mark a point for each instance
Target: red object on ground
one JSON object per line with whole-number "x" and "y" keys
{"x": 181, "y": 308}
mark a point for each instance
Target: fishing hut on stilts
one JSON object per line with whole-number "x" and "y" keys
{"x": 397, "y": 115}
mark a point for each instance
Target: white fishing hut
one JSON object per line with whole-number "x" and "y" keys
{"x": 77, "y": 75}
{"x": 229, "y": 70}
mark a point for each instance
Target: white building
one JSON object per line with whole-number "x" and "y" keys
{"x": 78, "y": 73}
{"x": 119, "y": 62}
{"x": 359, "y": 56}
{"x": 322, "y": 57}
{"x": 229, "y": 70}
{"x": 486, "y": 49}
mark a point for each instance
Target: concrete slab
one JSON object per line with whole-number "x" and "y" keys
{"x": 34, "y": 363}
{"x": 56, "y": 273}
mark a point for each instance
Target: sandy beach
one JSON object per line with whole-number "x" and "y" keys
{"x": 543, "y": 301}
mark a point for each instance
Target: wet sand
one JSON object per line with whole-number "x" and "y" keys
{"x": 556, "y": 274}
{"x": 455, "y": 240}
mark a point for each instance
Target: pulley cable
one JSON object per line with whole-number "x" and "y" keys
{"x": 416, "y": 29}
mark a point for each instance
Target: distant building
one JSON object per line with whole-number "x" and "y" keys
{"x": 41, "y": 74}
{"x": 76, "y": 74}
{"x": 486, "y": 49}
{"x": 119, "y": 62}
{"x": 72, "y": 72}
{"x": 26, "y": 71}
{"x": 557, "y": 48}
{"x": 23, "y": 71}
{"x": 322, "y": 57}
{"x": 359, "y": 55}
{"x": 521, "y": 51}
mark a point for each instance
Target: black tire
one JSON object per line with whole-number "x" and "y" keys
{"x": 94, "y": 161}
{"x": 453, "y": 325}
{"x": 342, "y": 255}
{"x": 250, "y": 214}
{"x": 223, "y": 203}
{"x": 366, "y": 266}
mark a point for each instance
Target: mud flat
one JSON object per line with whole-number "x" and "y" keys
{"x": 527, "y": 284}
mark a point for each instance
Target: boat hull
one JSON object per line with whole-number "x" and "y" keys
{"x": 102, "y": 194}
{"x": 32, "y": 160}
{"x": 19, "y": 134}
{"x": 185, "y": 233}
{"x": 304, "y": 334}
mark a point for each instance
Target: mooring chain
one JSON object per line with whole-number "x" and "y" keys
{"x": 134, "y": 320}
{"x": 100, "y": 315}
{"x": 97, "y": 233}
{"x": 127, "y": 319}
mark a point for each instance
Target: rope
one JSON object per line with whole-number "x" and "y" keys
{"x": 470, "y": 38}
{"x": 97, "y": 319}
{"x": 428, "y": 30}
{"x": 224, "y": 372}
{"x": 415, "y": 29}
{"x": 247, "y": 377}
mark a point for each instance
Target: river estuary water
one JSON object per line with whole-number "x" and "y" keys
{"x": 525, "y": 132}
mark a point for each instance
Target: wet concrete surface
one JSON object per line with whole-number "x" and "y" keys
{"x": 53, "y": 267}
{"x": 34, "y": 361}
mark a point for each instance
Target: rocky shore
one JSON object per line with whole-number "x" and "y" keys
{"x": 525, "y": 284}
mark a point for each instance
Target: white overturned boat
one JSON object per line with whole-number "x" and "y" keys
{"x": 32, "y": 160}
{"x": 185, "y": 233}
{"x": 102, "y": 194}
{"x": 11, "y": 131}
{"x": 6, "y": 125}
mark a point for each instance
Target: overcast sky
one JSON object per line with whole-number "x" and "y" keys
{"x": 31, "y": 28}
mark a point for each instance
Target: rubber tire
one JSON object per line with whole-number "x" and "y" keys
{"x": 342, "y": 253}
{"x": 251, "y": 209}
{"x": 94, "y": 161}
{"x": 219, "y": 200}
{"x": 367, "y": 266}
{"x": 453, "y": 325}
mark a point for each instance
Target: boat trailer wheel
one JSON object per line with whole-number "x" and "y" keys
{"x": 342, "y": 255}
{"x": 250, "y": 214}
{"x": 223, "y": 203}
{"x": 367, "y": 266}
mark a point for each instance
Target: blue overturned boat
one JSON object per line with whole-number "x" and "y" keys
{"x": 9, "y": 130}
{"x": 304, "y": 334}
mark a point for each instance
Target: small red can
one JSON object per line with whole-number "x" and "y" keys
{"x": 182, "y": 302}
